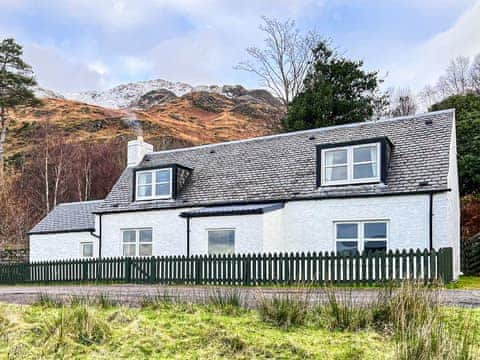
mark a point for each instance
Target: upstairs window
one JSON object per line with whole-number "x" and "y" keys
{"x": 154, "y": 184}
{"x": 351, "y": 164}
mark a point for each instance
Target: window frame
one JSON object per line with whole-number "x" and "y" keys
{"x": 350, "y": 165}
{"x": 153, "y": 184}
{"x": 361, "y": 239}
{"x": 222, "y": 229}
{"x": 136, "y": 242}
{"x": 82, "y": 244}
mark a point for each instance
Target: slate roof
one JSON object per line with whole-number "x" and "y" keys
{"x": 283, "y": 167}
{"x": 77, "y": 216}
{"x": 233, "y": 210}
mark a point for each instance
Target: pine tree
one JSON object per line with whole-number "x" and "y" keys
{"x": 336, "y": 91}
{"x": 16, "y": 80}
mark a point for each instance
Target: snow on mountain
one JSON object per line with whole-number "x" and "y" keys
{"x": 42, "y": 93}
{"x": 123, "y": 96}
{"x": 130, "y": 95}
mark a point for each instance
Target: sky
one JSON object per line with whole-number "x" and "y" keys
{"x": 78, "y": 45}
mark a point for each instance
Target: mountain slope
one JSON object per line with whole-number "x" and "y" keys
{"x": 165, "y": 120}
{"x": 127, "y": 95}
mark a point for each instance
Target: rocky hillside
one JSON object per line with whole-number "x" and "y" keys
{"x": 166, "y": 119}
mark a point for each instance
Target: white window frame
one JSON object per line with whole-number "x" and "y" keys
{"x": 223, "y": 229}
{"x": 82, "y": 244}
{"x": 350, "y": 165}
{"x": 361, "y": 233}
{"x": 136, "y": 243}
{"x": 154, "y": 196}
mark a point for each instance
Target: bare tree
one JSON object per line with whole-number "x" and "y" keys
{"x": 475, "y": 74}
{"x": 456, "y": 78}
{"x": 402, "y": 102}
{"x": 429, "y": 96}
{"x": 283, "y": 64}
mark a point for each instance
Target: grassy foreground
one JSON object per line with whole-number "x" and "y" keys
{"x": 408, "y": 325}
{"x": 174, "y": 331}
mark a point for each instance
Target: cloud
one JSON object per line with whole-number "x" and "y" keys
{"x": 424, "y": 63}
{"x": 54, "y": 70}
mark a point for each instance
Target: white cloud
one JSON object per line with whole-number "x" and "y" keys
{"x": 53, "y": 70}
{"x": 423, "y": 64}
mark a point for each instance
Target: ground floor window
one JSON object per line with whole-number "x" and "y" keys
{"x": 86, "y": 249}
{"x": 357, "y": 236}
{"x": 221, "y": 241}
{"x": 137, "y": 242}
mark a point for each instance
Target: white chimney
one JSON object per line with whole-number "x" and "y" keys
{"x": 136, "y": 150}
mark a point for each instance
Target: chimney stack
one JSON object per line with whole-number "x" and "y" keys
{"x": 136, "y": 151}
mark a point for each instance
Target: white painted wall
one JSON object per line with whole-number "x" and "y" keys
{"x": 299, "y": 226}
{"x": 168, "y": 231}
{"x": 248, "y": 232}
{"x": 59, "y": 246}
{"x": 273, "y": 239}
{"x": 453, "y": 200}
{"x": 309, "y": 225}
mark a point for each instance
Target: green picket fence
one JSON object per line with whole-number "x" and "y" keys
{"x": 248, "y": 270}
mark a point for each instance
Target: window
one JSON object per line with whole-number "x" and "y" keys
{"x": 351, "y": 237}
{"x": 351, "y": 164}
{"x": 221, "y": 241}
{"x": 86, "y": 249}
{"x": 137, "y": 242}
{"x": 154, "y": 184}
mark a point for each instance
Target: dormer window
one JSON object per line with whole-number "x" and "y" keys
{"x": 352, "y": 164}
{"x": 154, "y": 184}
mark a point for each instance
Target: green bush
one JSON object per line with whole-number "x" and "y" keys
{"x": 79, "y": 324}
{"x": 341, "y": 312}
{"x": 227, "y": 300}
{"x": 284, "y": 311}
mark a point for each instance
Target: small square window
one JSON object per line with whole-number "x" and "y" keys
{"x": 87, "y": 249}
{"x": 221, "y": 241}
{"x": 137, "y": 242}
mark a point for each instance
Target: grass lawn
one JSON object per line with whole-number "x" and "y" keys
{"x": 178, "y": 331}
{"x": 174, "y": 331}
{"x": 466, "y": 283}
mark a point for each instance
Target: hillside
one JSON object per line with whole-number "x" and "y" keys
{"x": 165, "y": 120}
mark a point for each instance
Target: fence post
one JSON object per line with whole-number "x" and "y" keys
{"x": 445, "y": 264}
{"x": 128, "y": 269}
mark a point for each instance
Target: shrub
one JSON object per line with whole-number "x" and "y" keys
{"x": 284, "y": 311}
{"x": 341, "y": 312}
{"x": 225, "y": 297}
{"x": 79, "y": 324}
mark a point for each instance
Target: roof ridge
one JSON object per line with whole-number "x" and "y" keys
{"x": 80, "y": 202}
{"x": 399, "y": 118}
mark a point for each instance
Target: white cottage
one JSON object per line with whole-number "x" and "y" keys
{"x": 388, "y": 184}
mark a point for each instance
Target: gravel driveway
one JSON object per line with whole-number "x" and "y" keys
{"x": 133, "y": 295}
